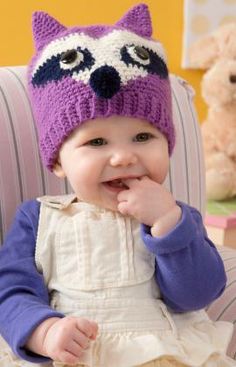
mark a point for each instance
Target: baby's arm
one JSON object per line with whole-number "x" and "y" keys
{"x": 189, "y": 269}
{"x": 31, "y": 327}
{"x": 24, "y": 301}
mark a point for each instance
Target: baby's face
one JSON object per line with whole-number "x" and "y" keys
{"x": 102, "y": 152}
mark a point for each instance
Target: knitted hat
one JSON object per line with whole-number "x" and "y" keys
{"x": 82, "y": 73}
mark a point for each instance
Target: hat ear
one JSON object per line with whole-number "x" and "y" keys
{"x": 44, "y": 28}
{"x": 137, "y": 20}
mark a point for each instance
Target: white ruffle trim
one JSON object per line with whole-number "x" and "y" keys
{"x": 193, "y": 346}
{"x": 202, "y": 344}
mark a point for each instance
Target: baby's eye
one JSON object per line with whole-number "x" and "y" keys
{"x": 97, "y": 142}
{"x": 143, "y": 137}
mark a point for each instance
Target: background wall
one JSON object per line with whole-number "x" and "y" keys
{"x": 16, "y": 45}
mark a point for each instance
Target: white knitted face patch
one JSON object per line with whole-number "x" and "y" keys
{"x": 105, "y": 51}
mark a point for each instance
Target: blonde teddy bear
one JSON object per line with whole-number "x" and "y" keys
{"x": 217, "y": 54}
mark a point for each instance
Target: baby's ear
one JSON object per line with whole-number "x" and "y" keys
{"x": 204, "y": 52}
{"x": 58, "y": 170}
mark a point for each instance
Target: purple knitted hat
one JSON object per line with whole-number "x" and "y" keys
{"x": 82, "y": 73}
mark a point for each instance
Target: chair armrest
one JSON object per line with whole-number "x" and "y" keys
{"x": 224, "y": 308}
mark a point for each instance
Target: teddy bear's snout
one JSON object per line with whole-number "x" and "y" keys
{"x": 232, "y": 78}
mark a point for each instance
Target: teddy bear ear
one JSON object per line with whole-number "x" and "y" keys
{"x": 204, "y": 52}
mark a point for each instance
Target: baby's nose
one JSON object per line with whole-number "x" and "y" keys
{"x": 123, "y": 158}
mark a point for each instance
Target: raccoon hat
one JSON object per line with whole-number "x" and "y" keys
{"x": 82, "y": 73}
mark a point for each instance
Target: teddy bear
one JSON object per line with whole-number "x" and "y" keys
{"x": 216, "y": 53}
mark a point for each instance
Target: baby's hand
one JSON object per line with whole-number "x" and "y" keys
{"x": 63, "y": 339}
{"x": 68, "y": 337}
{"x": 149, "y": 202}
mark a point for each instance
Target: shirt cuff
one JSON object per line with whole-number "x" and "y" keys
{"x": 177, "y": 239}
{"x": 29, "y": 326}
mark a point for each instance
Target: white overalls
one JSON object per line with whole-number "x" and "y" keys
{"x": 96, "y": 266}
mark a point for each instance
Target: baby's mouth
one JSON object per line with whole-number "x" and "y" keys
{"x": 117, "y": 183}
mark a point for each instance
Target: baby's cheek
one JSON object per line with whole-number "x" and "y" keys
{"x": 160, "y": 174}
{"x": 161, "y": 166}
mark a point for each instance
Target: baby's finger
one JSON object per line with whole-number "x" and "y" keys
{"x": 85, "y": 326}
{"x": 123, "y": 195}
{"x": 123, "y": 208}
{"x": 81, "y": 339}
{"x": 145, "y": 178}
{"x": 95, "y": 330}
{"x": 69, "y": 358}
{"x": 131, "y": 182}
{"x": 74, "y": 348}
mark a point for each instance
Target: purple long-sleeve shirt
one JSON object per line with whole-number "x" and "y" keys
{"x": 189, "y": 273}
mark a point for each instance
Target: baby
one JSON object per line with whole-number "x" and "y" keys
{"x": 117, "y": 273}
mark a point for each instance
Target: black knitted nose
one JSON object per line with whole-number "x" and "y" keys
{"x": 232, "y": 78}
{"x": 105, "y": 81}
